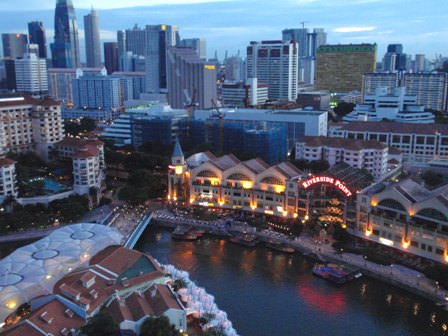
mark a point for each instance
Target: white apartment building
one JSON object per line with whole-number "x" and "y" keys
{"x": 60, "y": 81}
{"x": 361, "y": 154}
{"x": 30, "y": 124}
{"x": 88, "y": 162}
{"x": 394, "y": 106}
{"x": 86, "y": 170}
{"x": 417, "y": 142}
{"x": 8, "y": 180}
{"x": 374, "y": 80}
{"x": 406, "y": 216}
{"x": 275, "y": 63}
{"x": 243, "y": 95}
{"x": 31, "y": 75}
{"x": 431, "y": 89}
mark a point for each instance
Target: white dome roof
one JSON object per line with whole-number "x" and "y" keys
{"x": 32, "y": 270}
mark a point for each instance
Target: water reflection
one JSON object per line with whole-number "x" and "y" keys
{"x": 327, "y": 302}
{"x": 268, "y": 293}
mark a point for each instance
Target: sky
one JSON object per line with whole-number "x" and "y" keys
{"x": 420, "y": 25}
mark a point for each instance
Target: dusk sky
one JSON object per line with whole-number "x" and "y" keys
{"x": 421, "y": 26}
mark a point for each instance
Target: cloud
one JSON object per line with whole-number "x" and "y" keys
{"x": 353, "y": 29}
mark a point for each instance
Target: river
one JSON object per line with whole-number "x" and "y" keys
{"x": 267, "y": 293}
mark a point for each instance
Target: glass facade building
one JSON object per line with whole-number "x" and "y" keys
{"x": 65, "y": 49}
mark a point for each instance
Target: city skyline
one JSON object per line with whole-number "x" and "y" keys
{"x": 227, "y": 26}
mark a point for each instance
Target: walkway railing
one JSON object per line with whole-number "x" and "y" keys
{"x": 135, "y": 235}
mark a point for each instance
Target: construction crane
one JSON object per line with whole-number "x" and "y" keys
{"x": 216, "y": 114}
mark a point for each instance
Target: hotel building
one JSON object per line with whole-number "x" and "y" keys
{"x": 417, "y": 142}
{"x": 407, "y": 216}
{"x": 362, "y": 154}
{"x": 30, "y": 124}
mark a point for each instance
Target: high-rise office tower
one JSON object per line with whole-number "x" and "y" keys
{"x": 135, "y": 40}
{"x": 158, "y": 39}
{"x": 65, "y": 49}
{"x": 198, "y": 44}
{"x": 394, "y": 59}
{"x": 340, "y": 67}
{"x": 191, "y": 80}
{"x": 121, "y": 45}
{"x": 97, "y": 91}
{"x": 31, "y": 75}
{"x": 111, "y": 57}
{"x": 92, "y": 39}
{"x": 308, "y": 44}
{"x": 420, "y": 63}
{"x": 234, "y": 69}
{"x": 36, "y": 32}
{"x": 14, "y": 45}
{"x": 275, "y": 63}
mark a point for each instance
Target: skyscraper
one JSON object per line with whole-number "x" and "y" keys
{"x": 275, "y": 63}
{"x": 394, "y": 59}
{"x": 36, "y": 32}
{"x": 340, "y": 67}
{"x": 191, "y": 80}
{"x": 308, "y": 44}
{"x": 92, "y": 39}
{"x": 158, "y": 39}
{"x": 65, "y": 49}
{"x": 14, "y": 45}
{"x": 121, "y": 45}
{"x": 31, "y": 74}
{"x": 198, "y": 44}
{"x": 111, "y": 57}
{"x": 135, "y": 40}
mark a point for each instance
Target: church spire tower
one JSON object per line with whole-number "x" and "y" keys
{"x": 177, "y": 175}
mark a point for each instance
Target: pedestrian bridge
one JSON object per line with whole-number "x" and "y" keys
{"x": 138, "y": 231}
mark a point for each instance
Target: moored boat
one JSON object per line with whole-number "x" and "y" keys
{"x": 249, "y": 240}
{"x": 280, "y": 247}
{"x": 335, "y": 273}
{"x": 184, "y": 233}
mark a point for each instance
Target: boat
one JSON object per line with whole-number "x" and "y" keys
{"x": 198, "y": 232}
{"x": 249, "y": 240}
{"x": 183, "y": 232}
{"x": 337, "y": 274}
{"x": 280, "y": 247}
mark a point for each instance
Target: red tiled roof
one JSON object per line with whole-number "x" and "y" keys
{"x": 55, "y": 310}
{"x": 23, "y": 329}
{"x": 116, "y": 260}
{"x": 27, "y": 100}
{"x": 6, "y": 162}
{"x": 395, "y": 127}
{"x": 86, "y": 152}
{"x": 351, "y": 144}
{"x": 76, "y": 142}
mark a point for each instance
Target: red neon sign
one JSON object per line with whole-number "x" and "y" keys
{"x": 330, "y": 180}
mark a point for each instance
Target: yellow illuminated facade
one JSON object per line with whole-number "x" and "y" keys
{"x": 229, "y": 183}
{"x": 406, "y": 216}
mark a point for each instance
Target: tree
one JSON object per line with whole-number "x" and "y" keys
{"x": 343, "y": 108}
{"x": 102, "y": 324}
{"x": 301, "y": 164}
{"x": 158, "y": 326}
{"x": 318, "y": 166}
{"x": 432, "y": 179}
{"x": 87, "y": 124}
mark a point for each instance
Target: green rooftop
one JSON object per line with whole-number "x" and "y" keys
{"x": 347, "y": 48}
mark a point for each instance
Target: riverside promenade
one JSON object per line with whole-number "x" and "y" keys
{"x": 397, "y": 275}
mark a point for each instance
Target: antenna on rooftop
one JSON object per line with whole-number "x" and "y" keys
{"x": 303, "y": 24}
